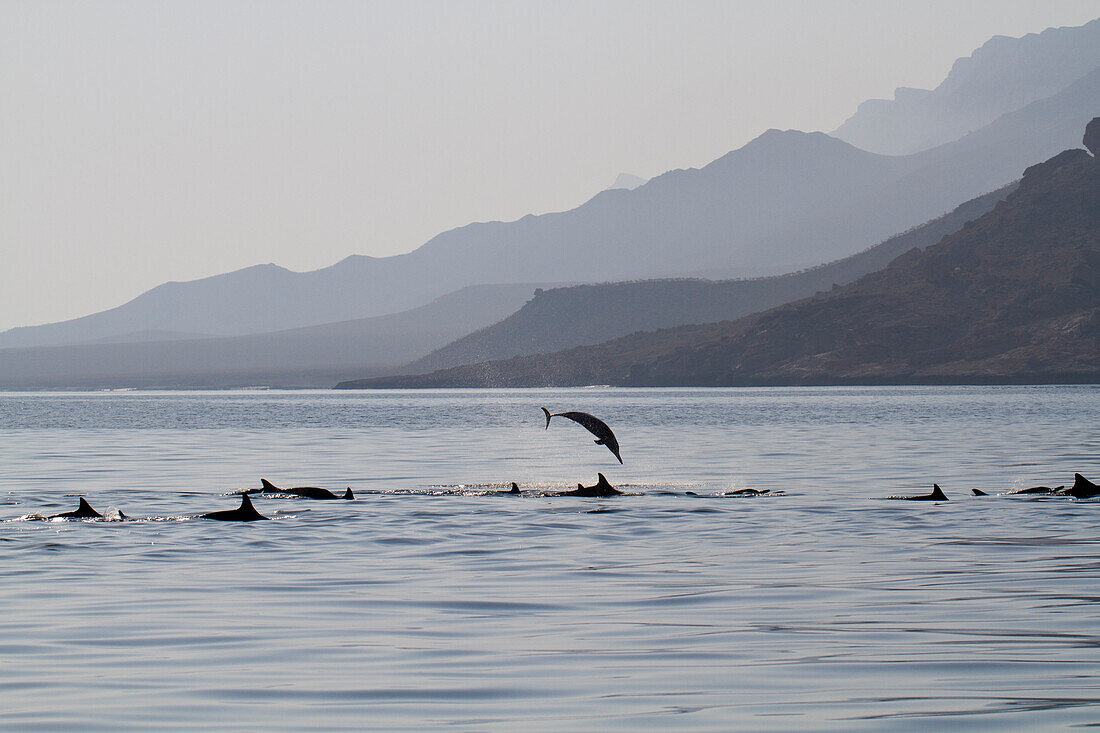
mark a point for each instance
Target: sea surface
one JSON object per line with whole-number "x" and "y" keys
{"x": 430, "y": 602}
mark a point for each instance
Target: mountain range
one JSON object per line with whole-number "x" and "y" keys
{"x": 314, "y": 356}
{"x": 1003, "y": 75}
{"x": 755, "y": 223}
{"x": 785, "y": 201}
{"x": 561, "y": 318}
{"x": 1014, "y": 296}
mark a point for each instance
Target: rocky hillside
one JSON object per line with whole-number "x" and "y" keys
{"x": 562, "y": 318}
{"x": 1012, "y": 297}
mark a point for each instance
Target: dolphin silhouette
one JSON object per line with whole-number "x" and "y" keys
{"x": 936, "y": 495}
{"x": 306, "y": 492}
{"x": 592, "y": 424}
{"x": 1082, "y": 488}
{"x": 83, "y": 511}
{"x": 601, "y": 488}
{"x": 1033, "y": 490}
{"x": 245, "y": 513}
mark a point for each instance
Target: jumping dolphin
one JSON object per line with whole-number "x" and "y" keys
{"x": 245, "y": 513}
{"x": 83, "y": 511}
{"x": 306, "y": 492}
{"x": 936, "y": 495}
{"x": 1082, "y": 488}
{"x": 602, "y": 488}
{"x": 592, "y": 424}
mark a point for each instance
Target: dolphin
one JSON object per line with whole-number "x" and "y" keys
{"x": 747, "y": 492}
{"x": 592, "y": 424}
{"x": 1034, "y": 490}
{"x": 1041, "y": 490}
{"x": 245, "y": 513}
{"x": 602, "y": 488}
{"x": 83, "y": 511}
{"x": 1082, "y": 488}
{"x": 306, "y": 492}
{"x": 936, "y": 495}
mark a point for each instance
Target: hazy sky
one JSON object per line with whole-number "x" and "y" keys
{"x": 142, "y": 142}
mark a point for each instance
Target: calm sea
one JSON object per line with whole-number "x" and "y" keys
{"x": 428, "y": 604}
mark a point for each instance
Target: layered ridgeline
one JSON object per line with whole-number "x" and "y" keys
{"x": 785, "y": 201}
{"x": 1002, "y": 76}
{"x": 589, "y": 314}
{"x": 313, "y": 356}
{"x": 1014, "y": 296}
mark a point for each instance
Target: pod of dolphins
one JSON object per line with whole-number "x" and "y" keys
{"x": 1082, "y": 488}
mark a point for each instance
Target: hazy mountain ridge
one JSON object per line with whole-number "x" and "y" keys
{"x": 628, "y": 181}
{"x": 309, "y": 356}
{"x": 589, "y": 314}
{"x": 785, "y": 201}
{"x": 1014, "y": 296}
{"x": 1003, "y": 75}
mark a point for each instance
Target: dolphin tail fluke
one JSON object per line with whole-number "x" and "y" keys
{"x": 547, "y": 412}
{"x": 979, "y": 492}
{"x": 620, "y": 459}
{"x": 599, "y": 442}
{"x": 268, "y": 486}
{"x": 348, "y": 495}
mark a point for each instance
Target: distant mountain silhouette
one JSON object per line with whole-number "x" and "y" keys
{"x": 627, "y": 181}
{"x": 310, "y": 356}
{"x": 589, "y": 314}
{"x": 1014, "y": 296}
{"x": 1002, "y": 76}
{"x": 785, "y": 201}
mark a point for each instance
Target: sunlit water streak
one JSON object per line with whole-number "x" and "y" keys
{"x": 423, "y": 604}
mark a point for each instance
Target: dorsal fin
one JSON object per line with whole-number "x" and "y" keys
{"x": 268, "y": 485}
{"x": 348, "y": 494}
{"x": 937, "y": 493}
{"x": 84, "y": 506}
{"x": 979, "y": 492}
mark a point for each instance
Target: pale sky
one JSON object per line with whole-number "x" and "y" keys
{"x": 142, "y": 142}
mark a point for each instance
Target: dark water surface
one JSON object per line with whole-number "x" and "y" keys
{"x": 424, "y": 604}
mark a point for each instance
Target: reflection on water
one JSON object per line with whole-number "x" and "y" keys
{"x": 426, "y": 603}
